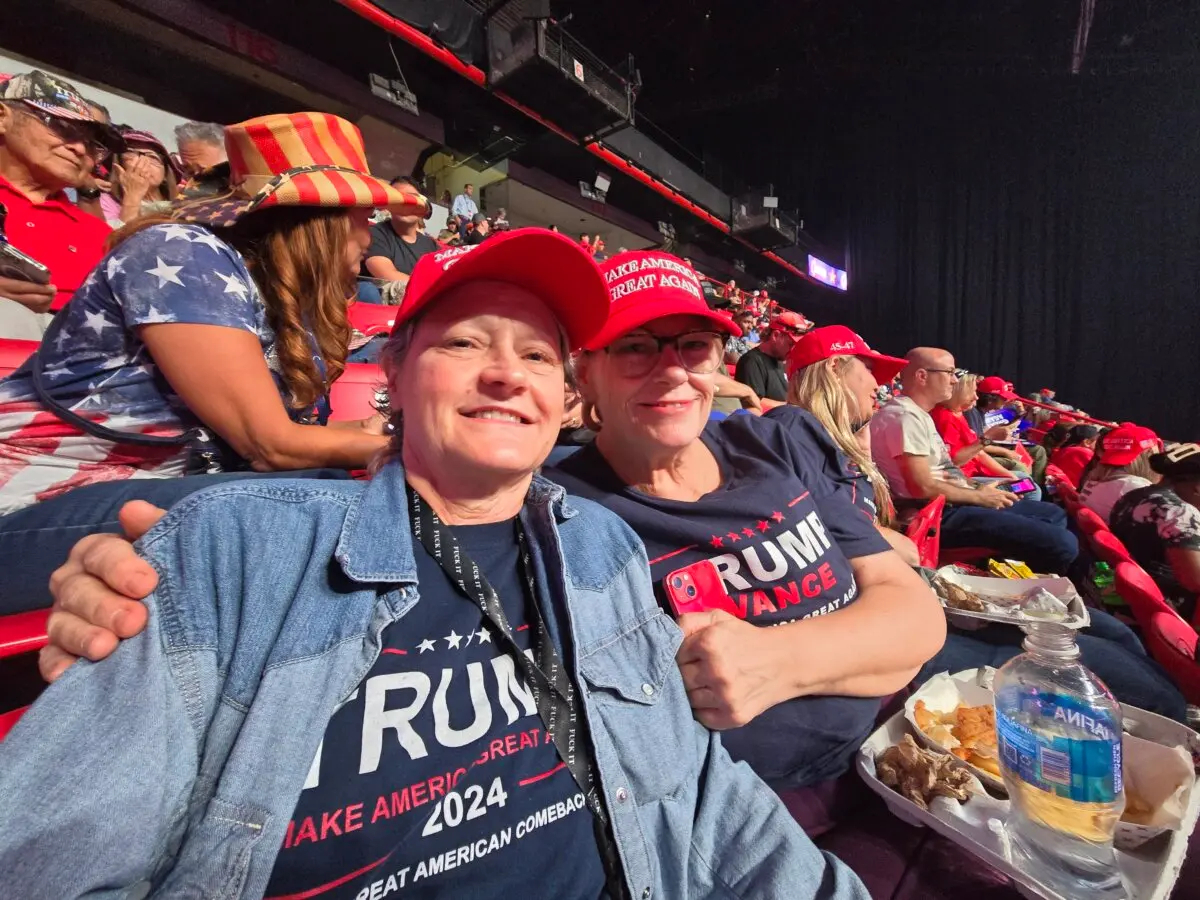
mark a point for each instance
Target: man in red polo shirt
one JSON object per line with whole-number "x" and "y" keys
{"x": 48, "y": 141}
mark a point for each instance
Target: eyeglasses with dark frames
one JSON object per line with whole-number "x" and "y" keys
{"x": 637, "y": 354}
{"x": 97, "y": 144}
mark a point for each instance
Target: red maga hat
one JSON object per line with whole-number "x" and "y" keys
{"x": 1125, "y": 443}
{"x": 556, "y": 269}
{"x": 994, "y": 384}
{"x": 838, "y": 340}
{"x": 645, "y": 285}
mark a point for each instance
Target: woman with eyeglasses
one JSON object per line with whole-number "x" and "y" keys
{"x": 741, "y": 523}
{"x": 145, "y": 180}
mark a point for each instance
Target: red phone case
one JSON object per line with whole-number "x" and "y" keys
{"x": 698, "y": 588}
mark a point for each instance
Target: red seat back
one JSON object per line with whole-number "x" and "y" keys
{"x": 1138, "y": 589}
{"x": 1088, "y": 521}
{"x": 1108, "y": 546}
{"x": 9, "y": 719}
{"x": 1172, "y": 643}
{"x": 352, "y": 396}
{"x": 23, "y": 632}
{"x": 13, "y": 353}
{"x": 371, "y": 318}
{"x": 925, "y": 531}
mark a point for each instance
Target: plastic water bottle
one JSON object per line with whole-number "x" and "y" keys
{"x": 1058, "y": 731}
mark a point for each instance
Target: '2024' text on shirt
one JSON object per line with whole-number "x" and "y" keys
{"x": 437, "y": 771}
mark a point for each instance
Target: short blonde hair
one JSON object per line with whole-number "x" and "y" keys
{"x": 958, "y": 400}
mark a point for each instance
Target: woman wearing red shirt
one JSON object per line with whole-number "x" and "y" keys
{"x": 963, "y": 444}
{"x": 1073, "y": 456}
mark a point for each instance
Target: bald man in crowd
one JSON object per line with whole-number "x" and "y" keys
{"x": 913, "y": 457}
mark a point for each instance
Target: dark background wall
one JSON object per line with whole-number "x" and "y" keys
{"x": 1047, "y": 231}
{"x": 1042, "y": 225}
{"x": 1044, "y": 229}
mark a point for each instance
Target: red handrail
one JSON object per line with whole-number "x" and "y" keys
{"x": 430, "y": 48}
{"x": 1066, "y": 414}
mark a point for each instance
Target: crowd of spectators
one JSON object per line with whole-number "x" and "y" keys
{"x": 244, "y": 655}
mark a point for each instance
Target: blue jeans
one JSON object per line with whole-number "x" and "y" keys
{"x": 35, "y": 541}
{"x": 368, "y": 352}
{"x": 368, "y": 291}
{"x": 1108, "y": 647}
{"x": 1031, "y": 531}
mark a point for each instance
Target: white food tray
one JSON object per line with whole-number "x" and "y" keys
{"x": 1146, "y": 737}
{"x": 976, "y": 824}
{"x": 983, "y": 587}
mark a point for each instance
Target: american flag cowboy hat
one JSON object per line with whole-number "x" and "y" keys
{"x": 300, "y": 159}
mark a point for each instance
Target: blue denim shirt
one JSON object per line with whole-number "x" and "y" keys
{"x": 173, "y": 767}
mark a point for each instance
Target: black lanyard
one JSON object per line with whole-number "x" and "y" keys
{"x": 548, "y": 680}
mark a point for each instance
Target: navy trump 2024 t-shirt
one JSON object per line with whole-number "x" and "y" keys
{"x": 781, "y": 534}
{"x": 436, "y": 777}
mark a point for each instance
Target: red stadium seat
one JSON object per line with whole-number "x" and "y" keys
{"x": 371, "y": 318}
{"x": 1169, "y": 639}
{"x": 1138, "y": 589}
{"x": 1109, "y": 547}
{"x": 1172, "y": 642}
{"x": 13, "y": 353}
{"x": 9, "y": 719}
{"x": 23, "y": 632}
{"x": 1088, "y": 521}
{"x": 925, "y": 531}
{"x": 352, "y": 396}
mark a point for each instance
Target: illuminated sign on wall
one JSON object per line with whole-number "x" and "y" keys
{"x": 827, "y": 274}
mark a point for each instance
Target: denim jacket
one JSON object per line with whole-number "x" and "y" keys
{"x": 172, "y": 768}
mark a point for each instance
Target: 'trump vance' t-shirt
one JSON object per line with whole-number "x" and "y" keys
{"x": 781, "y": 536}
{"x": 436, "y": 778}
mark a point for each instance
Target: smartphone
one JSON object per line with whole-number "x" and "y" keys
{"x": 20, "y": 266}
{"x": 1024, "y": 486}
{"x": 17, "y": 265}
{"x": 698, "y": 588}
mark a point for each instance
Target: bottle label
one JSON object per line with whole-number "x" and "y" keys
{"x": 1059, "y": 745}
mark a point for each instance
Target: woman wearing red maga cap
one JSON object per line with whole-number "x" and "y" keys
{"x": 833, "y": 390}
{"x": 1121, "y": 465}
{"x": 742, "y": 511}
{"x": 201, "y": 344}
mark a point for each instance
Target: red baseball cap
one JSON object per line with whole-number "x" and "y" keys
{"x": 549, "y": 265}
{"x": 838, "y": 340}
{"x": 1125, "y": 443}
{"x": 994, "y": 384}
{"x": 788, "y": 319}
{"x": 645, "y": 285}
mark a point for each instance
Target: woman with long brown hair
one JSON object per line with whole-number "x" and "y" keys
{"x": 201, "y": 344}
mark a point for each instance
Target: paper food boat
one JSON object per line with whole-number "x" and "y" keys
{"x": 1008, "y": 590}
{"x": 1157, "y": 752}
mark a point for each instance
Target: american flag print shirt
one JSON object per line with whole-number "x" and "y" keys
{"x": 99, "y": 368}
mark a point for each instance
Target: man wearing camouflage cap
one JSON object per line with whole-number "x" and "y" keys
{"x": 49, "y": 141}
